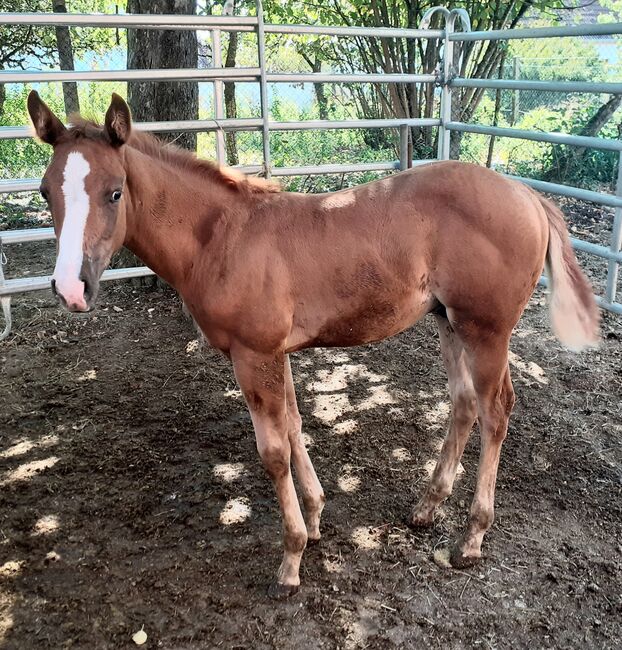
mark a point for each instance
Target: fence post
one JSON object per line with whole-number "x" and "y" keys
{"x": 613, "y": 267}
{"x": 405, "y": 163}
{"x": 5, "y": 300}
{"x": 263, "y": 90}
{"x": 516, "y": 93}
{"x": 219, "y": 108}
{"x": 444, "y": 135}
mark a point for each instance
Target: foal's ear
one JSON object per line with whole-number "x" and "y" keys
{"x": 118, "y": 123}
{"x": 47, "y": 126}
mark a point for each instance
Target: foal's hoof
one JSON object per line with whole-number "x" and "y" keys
{"x": 420, "y": 520}
{"x": 278, "y": 591}
{"x": 459, "y": 560}
{"x": 313, "y": 541}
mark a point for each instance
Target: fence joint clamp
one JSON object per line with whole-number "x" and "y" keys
{"x": 439, "y": 78}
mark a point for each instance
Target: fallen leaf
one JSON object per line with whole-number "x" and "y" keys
{"x": 140, "y": 637}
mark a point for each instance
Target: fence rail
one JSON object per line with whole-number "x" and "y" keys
{"x": 596, "y": 29}
{"x": 538, "y": 136}
{"x": 542, "y": 86}
{"x": 217, "y": 75}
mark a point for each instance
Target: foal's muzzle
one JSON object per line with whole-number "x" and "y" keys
{"x": 78, "y": 295}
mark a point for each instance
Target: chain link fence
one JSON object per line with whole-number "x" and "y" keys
{"x": 537, "y": 110}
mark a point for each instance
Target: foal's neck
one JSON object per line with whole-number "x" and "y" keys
{"x": 166, "y": 208}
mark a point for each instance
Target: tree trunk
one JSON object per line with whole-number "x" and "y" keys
{"x": 314, "y": 61}
{"x": 602, "y": 116}
{"x": 65, "y": 56}
{"x": 320, "y": 95}
{"x": 231, "y": 109}
{"x": 572, "y": 157}
{"x": 2, "y": 99}
{"x": 171, "y": 100}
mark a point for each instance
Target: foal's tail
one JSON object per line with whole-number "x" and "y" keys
{"x": 574, "y": 314}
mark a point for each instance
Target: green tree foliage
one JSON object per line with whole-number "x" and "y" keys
{"x": 573, "y": 59}
{"x": 27, "y": 46}
{"x": 377, "y": 55}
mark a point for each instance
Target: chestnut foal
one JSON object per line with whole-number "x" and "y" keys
{"x": 265, "y": 273}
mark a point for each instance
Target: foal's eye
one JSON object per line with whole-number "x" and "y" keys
{"x": 116, "y": 196}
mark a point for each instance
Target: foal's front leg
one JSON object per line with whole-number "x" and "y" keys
{"x": 262, "y": 380}
{"x": 312, "y": 492}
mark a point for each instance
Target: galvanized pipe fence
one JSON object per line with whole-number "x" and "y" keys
{"x": 445, "y": 78}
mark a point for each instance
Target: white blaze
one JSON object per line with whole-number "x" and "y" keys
{"x": 70, "y": 253}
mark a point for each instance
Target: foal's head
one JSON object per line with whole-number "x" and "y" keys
{"x": 83, "y": 186}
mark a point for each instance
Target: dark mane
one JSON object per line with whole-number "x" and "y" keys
{"x": 175, "y": 156}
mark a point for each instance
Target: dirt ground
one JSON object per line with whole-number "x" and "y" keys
{"x": 132, "y": 495}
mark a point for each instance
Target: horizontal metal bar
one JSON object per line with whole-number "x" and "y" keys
{"x": 226, "y": 23}
{"x": 196, "y": 126}
{"x": 32, "y": 184}
{"x": 545, "y": 86}
{"x": 538, "y": 136}
{"x": 596, "y": 249}
{"x": 19, "y": 185}
{"x": 250, "y": 169}
{"x": 321, "y": 77}
{"x": 614, "y": 307}
{"x": 343, "y": 168}
{"x": 16, "y": 132}
{"x": 172, "y": 74}
{"x": 244, "y": 124}
{"x": 20, "y": 285}
{"x": 567, "y": 190}
{"x": 378, "y": 32}
{"x": 333, "y": 169}
{"x": 573, "y": 192}
{"x": 26, "y": 235}
{"x": 204, "y": 74}
{"x": 351, "y": 124}
{"x": 605, "y": 29}
{"x": 159, "y": 21}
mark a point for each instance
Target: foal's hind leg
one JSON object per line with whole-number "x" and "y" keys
{"x": 312, "y": 492}
{"x": 488, "y": 363}
{"x": 463, "y": 413}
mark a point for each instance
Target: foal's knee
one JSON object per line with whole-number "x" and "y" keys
{"x": 465, "y": 407}
{"x": 275, "y": 458}
{"x": 295, "y": 541}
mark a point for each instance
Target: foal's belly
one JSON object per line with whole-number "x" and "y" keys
{"x": 365, "y": 322}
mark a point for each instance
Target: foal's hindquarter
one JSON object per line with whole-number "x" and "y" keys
{"x": 282, "y": 272}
